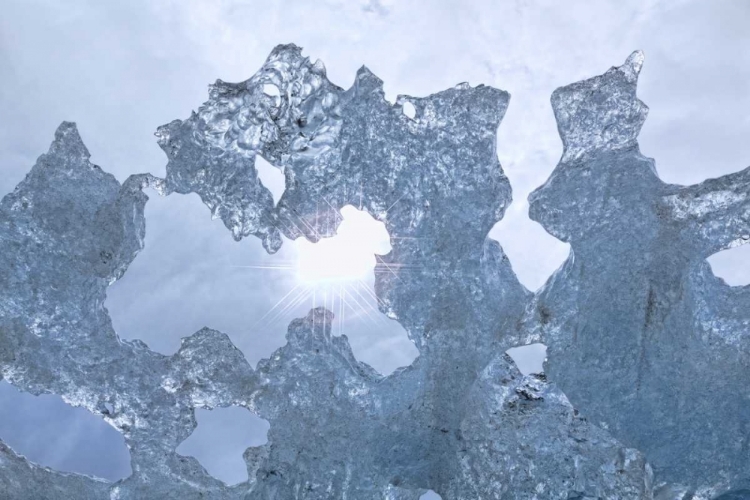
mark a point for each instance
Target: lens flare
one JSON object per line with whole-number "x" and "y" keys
{"x": 347, "y": 257}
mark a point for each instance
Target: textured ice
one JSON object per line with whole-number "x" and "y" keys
{"x": 648, "y": 345}
{"x": 642, "y": 337}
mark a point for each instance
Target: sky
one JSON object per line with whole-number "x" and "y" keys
{"x": 121, "y": 69}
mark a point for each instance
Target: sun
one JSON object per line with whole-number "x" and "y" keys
{"x": 349, "y": 256}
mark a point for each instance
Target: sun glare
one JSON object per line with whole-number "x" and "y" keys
{"x": 337, "y": 273}
{"x": 348, "y": 256}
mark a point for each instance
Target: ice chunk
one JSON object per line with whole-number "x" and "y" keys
{"x": 648, "y": 345}
{"x": 642, "y": 338}
{"x": 66, "y": 232}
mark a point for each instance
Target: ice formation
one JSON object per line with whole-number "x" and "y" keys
{"x": 642, "y": 337}
{"x": 651, "y": 348}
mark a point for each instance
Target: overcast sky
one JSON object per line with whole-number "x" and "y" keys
{"x": 120, "y": 69}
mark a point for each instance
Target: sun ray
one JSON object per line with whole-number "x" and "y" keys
{"x": 394, "y": 203}
{"x": 372, "y": 293}
{"x": 294, "y": 302}
{"x": 362, "y": 309}
{"x": 276, "y": 305}
{"x": 378, "y": 257}
{"x": 342, "y": 298}
{"x": 378, "y": 315}
{"x": 255, "y": 266}
{"x": 312, "y": 228}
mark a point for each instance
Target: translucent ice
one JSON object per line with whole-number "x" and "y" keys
{"x": 642, "y": 337}
{"x": 650, "y": 347}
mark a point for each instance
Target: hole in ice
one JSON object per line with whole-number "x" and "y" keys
{"x": 271, "y": 177}
{"x": 409, "y": 110}
{"x": 222, "y": 436}
{"x": 430, "y": 495}
{"x": 732, "y": 265}
{"x": 338, "y": 273}
{"x": 529, "y": 358}
{"x": 534, "y": 253}
{"x": 271, "y": 90}
{"x": 192, "y": 274}
{"x": 50, "y": 432}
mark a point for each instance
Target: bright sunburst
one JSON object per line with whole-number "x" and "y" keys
{"x": 334, "y": 273}
{"x": 347, "y": 257}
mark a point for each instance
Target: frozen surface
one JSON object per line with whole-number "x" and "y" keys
{"x": 642, "y": 337}
{"x": 646, "y": 344}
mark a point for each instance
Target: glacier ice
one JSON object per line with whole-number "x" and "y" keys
{"x": 50, "y": 432}
{"x": 644, "y": 393}
{"x": 642, "y": 337}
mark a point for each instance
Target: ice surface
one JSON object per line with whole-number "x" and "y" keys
{"x": 642, "y": 338}
{"x": 650, "y": 347}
